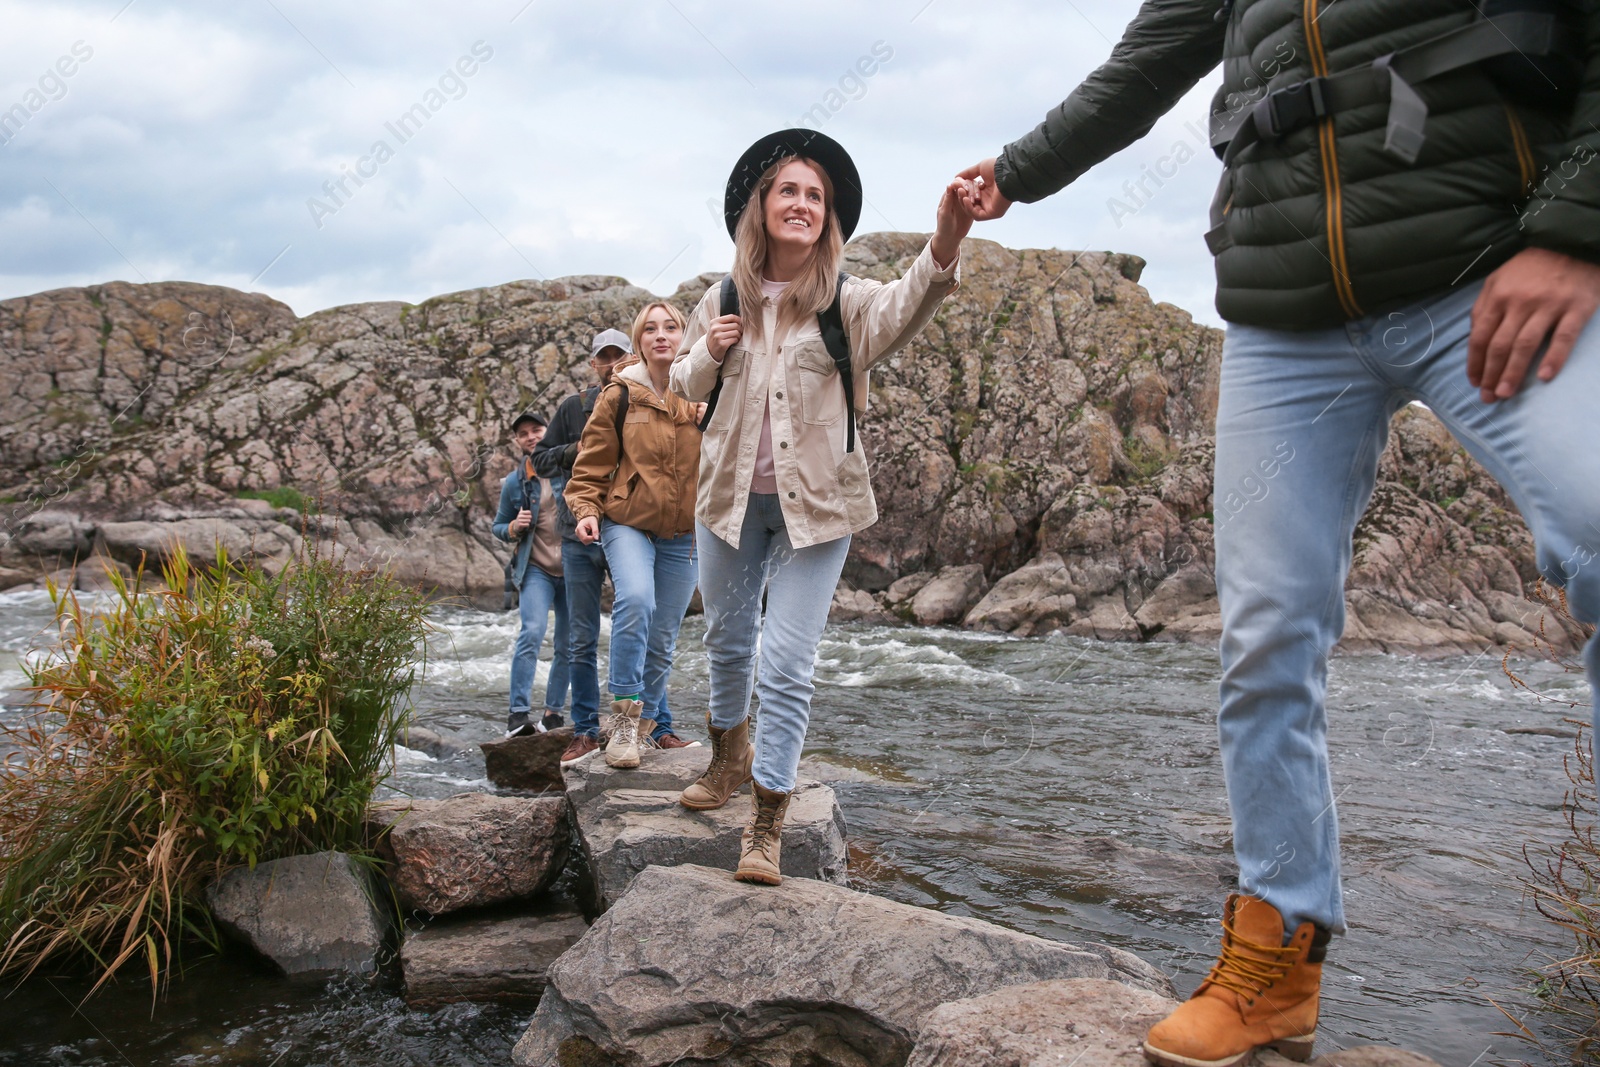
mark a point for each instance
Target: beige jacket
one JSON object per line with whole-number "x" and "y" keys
{"x": 825, "y": 492}
{"x": 647, "y": 480}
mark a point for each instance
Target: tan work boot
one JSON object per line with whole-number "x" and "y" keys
{"x": 758, "y": 849}
{"x": 623, "y": 748}
{"x": 731, "y": 759}
{"x": 1260, "y": 993}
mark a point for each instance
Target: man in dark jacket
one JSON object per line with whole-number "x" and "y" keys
{"x": 527, "y": 516}
{"x": 583, "y": 566}
{"x": 1410, "y": 210}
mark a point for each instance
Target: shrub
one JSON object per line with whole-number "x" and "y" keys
{"x": 285, "y": 496}
{"x": 230, "y": 717}
{"x": 1564, "y": 879}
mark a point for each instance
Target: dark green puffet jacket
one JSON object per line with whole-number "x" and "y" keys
{"x": 1325, "y": 225}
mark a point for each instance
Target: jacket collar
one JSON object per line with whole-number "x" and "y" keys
{"x": 636, "y": 374}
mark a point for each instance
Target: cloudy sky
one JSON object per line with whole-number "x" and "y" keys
{"x": 207, "y": 141}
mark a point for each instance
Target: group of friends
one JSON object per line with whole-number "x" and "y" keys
{"x": 1420, "y": 171}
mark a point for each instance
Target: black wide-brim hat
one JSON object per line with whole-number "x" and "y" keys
{"x": 821, "y": 149}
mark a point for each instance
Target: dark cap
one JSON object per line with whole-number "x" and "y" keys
{"x": 808, "y": 144}
{"x": 528, "y": 416}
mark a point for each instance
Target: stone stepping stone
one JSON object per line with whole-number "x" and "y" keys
{"x": 531, "y": 762}
{"x": 499, "y": 958}
{"x": 310, "y": 915}
{"x": 628, "y": 820}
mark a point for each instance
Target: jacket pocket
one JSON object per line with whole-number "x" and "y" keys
{"x": 855, "y": 491}
{"x": 821, "y": 392}
{"x": 729, "y": 385}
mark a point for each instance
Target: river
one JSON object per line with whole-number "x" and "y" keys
{"x": 1062, "y": 787}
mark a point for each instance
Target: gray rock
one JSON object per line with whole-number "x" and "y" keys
{"x": 690, "y": 966}
{"x": 490, "y": 958}
{"x": 948, "y": 596}
{"x": 903, "y": 589}
{"x": 432, "y": 743}
{"x": 471, "y": 850}
{"x": 307, "y": 914}
{"x": 856, "y": 605}
{"x": 628, "y": 820}
{"x": 1089, "y": 1022}
{"x": 529, "y": 762}
{"x": 1034, "y": 599}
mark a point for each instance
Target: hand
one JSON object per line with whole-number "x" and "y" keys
{"x": 1534, "y": 296}
{"x": 983, "y": 197}
{"x": 700, "y": 413}
{"x": 952, "y": 222}
{"x": 724, "y": 334}
{"x": 520, "y": 523}
{"x": 588, "y": 530}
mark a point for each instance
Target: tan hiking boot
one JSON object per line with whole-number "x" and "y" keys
{"x": 731, "y": 759}
{"x": 758, "y": 849}
{"x": 1260, "y": 993}
{"x": 622, "y": 750}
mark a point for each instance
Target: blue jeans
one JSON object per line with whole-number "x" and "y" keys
{"x": 1302, "y": 419}
{"x": 583, "y": 571}
{"x": 539, "y": 594}
{"x": 654, "y": 579}
{"x": 799, "y": 585}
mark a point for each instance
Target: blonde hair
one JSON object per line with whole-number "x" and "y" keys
{"x": 638, "y": 323}
{"x": 814, "y": 288}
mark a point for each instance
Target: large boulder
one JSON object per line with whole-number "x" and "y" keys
{"x": 628, "y": 820}
{"x": 470, "y": 850}
{"x": 1089, "y": 1022}
{"x": 532, "y": 761}
{"x": 690, "y": 966}
{"x": 308, "y": 914}
{"x": 948, "y": 596}
{"x": 503, "y": 958}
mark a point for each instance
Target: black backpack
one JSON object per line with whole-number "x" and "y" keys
{"x": 831, "y": 322}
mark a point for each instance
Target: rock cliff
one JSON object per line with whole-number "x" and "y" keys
{"x": 1042, "y": 453}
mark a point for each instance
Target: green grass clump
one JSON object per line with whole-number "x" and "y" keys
{"x": 231, "y": 717}
{"x": 285, "y": 496}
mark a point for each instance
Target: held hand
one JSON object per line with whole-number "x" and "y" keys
{"x": 588, "y": 530}
{"x": 1534, "y": 296}
{"x": 724, "y": 334}
{"x": 952, "y": 222}
{"x": 520, "y": 523}
{"x": 700, "y": 413}
{"x": 983, "y": 198}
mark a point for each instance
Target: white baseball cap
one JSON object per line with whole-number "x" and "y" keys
{"x": 609, "y": 339}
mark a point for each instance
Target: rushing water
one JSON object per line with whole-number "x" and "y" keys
{"x": 1057, "y": 786}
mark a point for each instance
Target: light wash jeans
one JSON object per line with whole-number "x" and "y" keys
{"x": 799, "y": 585}
{"x": 583, "y": 571}
{"x": 1301, "y": 421}
{"x": 539, "y": 594}
{"x": 654, "y": 578}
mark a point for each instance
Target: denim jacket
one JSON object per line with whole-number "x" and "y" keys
{"x": 510, "y": 504}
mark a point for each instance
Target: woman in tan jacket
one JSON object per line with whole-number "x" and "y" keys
{"x": 783, "y": 476}
{"x": 633, "y": 489}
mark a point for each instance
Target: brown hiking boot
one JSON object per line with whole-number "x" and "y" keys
{"x": 580, "y": 746}
{"x": 1260, "y": 993}
{"x": 758, "y": 849}
{"x": 731, "y": 758}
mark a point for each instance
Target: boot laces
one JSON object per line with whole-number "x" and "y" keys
{"x": 761, "y": 829}
{"x": 621, "y": 722}
{"x": 1248, "y": 967}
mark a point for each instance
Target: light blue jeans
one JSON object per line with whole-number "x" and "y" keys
{"x": 654, "y": 580}
{"x": 1301, "y": 421}
{"x": 539, "y": 594}
{"x": 799, "y": 585}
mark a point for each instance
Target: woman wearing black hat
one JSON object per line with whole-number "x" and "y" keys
{"x": 783, "y": 478}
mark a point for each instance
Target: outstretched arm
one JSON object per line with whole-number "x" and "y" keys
{"x": 1168, "y": 47}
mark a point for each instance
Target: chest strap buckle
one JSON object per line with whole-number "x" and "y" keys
{"x": 1290, "y": 108}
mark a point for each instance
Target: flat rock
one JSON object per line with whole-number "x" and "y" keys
{"x": 307, "y": 914}
{"x": 628, "y": 820}
{"x": 532, "y": 761}
{"x": 1090, "y": 1022}
{"x": 501, "y": 958}
{"x": 1360, "y": 1056}
{"x": 470, "y": 850}
{"x": 690, "y": 966}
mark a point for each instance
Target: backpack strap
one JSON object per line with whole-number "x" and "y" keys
{"x": 622, "y": 413}
{"x": 730, "y": 306}
{"x": 831, "y": 322}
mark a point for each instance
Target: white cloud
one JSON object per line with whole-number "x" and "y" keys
{"x": 590, "y": 142}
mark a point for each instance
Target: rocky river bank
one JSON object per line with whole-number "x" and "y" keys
{"x": 670, "y": 960}
{"x": 1041, "y": 454}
